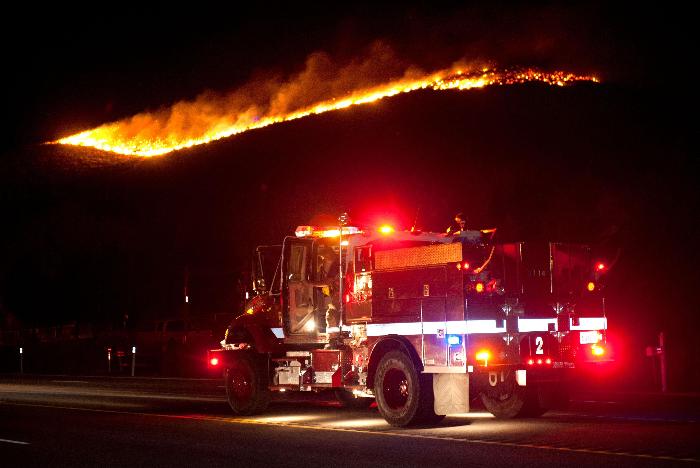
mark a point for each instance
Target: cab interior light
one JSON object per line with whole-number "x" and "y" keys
{"x": 310, "y": 325}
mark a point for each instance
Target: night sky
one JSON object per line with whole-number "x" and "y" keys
{"x": 89, "y": 236}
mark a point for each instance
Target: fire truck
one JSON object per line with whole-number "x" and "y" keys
{"x": 423, "y": 323}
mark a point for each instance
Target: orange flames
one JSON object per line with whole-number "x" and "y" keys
{"x": 204, "y": 120}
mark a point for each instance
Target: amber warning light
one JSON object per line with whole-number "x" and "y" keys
{"x": 597, "y": 350}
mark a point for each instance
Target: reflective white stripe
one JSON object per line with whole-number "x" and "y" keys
{"x": 530, "y": 325}
{"x": 484, "y": 326}
{"x": 591, "y": 323}
{"x": 456, "y": 327}
{"x": 445, "y": 370}
{"x": 431, "y": 328}
{"x": 464, "y": 327}
{"x": 381, "y": 329}
{"x": 459, "y": 327}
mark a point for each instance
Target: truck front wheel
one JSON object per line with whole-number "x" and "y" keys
{"x": 246, "y": 385}
{"x": 404, "y": 395}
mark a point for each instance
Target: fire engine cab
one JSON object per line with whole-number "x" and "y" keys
{"x": 421, "y": 322}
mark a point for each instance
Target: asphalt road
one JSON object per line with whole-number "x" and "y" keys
{"x": 74, "y": 421}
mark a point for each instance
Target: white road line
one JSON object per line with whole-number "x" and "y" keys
{"x": 18, "y": 442}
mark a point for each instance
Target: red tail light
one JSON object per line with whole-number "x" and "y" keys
{"x": 539, "y": 361}
{"x": 214, "y": 361}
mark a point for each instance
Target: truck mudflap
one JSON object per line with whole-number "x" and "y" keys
{"x": 451, "y": 393}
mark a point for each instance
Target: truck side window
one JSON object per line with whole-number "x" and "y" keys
{"x": 363, "y": 259}
{"x": 296, "y": 263}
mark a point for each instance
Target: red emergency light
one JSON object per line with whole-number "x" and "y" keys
{"x": 539, "y": 361}
{"x": 214, "y": 361}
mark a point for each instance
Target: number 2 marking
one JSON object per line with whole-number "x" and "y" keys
{"x": 539, "y": 342}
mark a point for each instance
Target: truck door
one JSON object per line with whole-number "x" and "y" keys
{"x": 297, "y": 288}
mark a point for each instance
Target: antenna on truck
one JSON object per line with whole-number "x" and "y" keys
{"x": 342, "y": 221}
{"x": 415, "y": 220}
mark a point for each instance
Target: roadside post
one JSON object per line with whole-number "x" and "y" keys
{"x": 109, "y": 360}
{"x": 21, "y": 360}
{"x": 133, "y": 360}
{"x": 659, "y": 352}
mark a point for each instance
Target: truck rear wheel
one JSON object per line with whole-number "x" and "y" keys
{"x": 509, "y": 400}
{"x": 404, "y": 395}
{"x": 246, "y": 385}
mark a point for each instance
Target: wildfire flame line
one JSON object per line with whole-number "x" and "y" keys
{"x": 111, "y": 137}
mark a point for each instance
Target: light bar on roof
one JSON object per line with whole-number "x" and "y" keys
{"x": 315, "y": 231}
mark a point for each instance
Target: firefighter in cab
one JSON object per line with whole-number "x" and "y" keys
{"x": 459, "y": 225}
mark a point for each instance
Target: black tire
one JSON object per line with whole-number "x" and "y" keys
{"x": 510, "y": 400}
{"x": 404, "y": 395}
{"x": 350, "y": 401}
{"x": 246, "y": 385}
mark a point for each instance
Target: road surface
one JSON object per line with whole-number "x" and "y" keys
{"x": 74, "y": 421}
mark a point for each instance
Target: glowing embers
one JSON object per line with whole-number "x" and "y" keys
{"x": 188, "y": 124}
